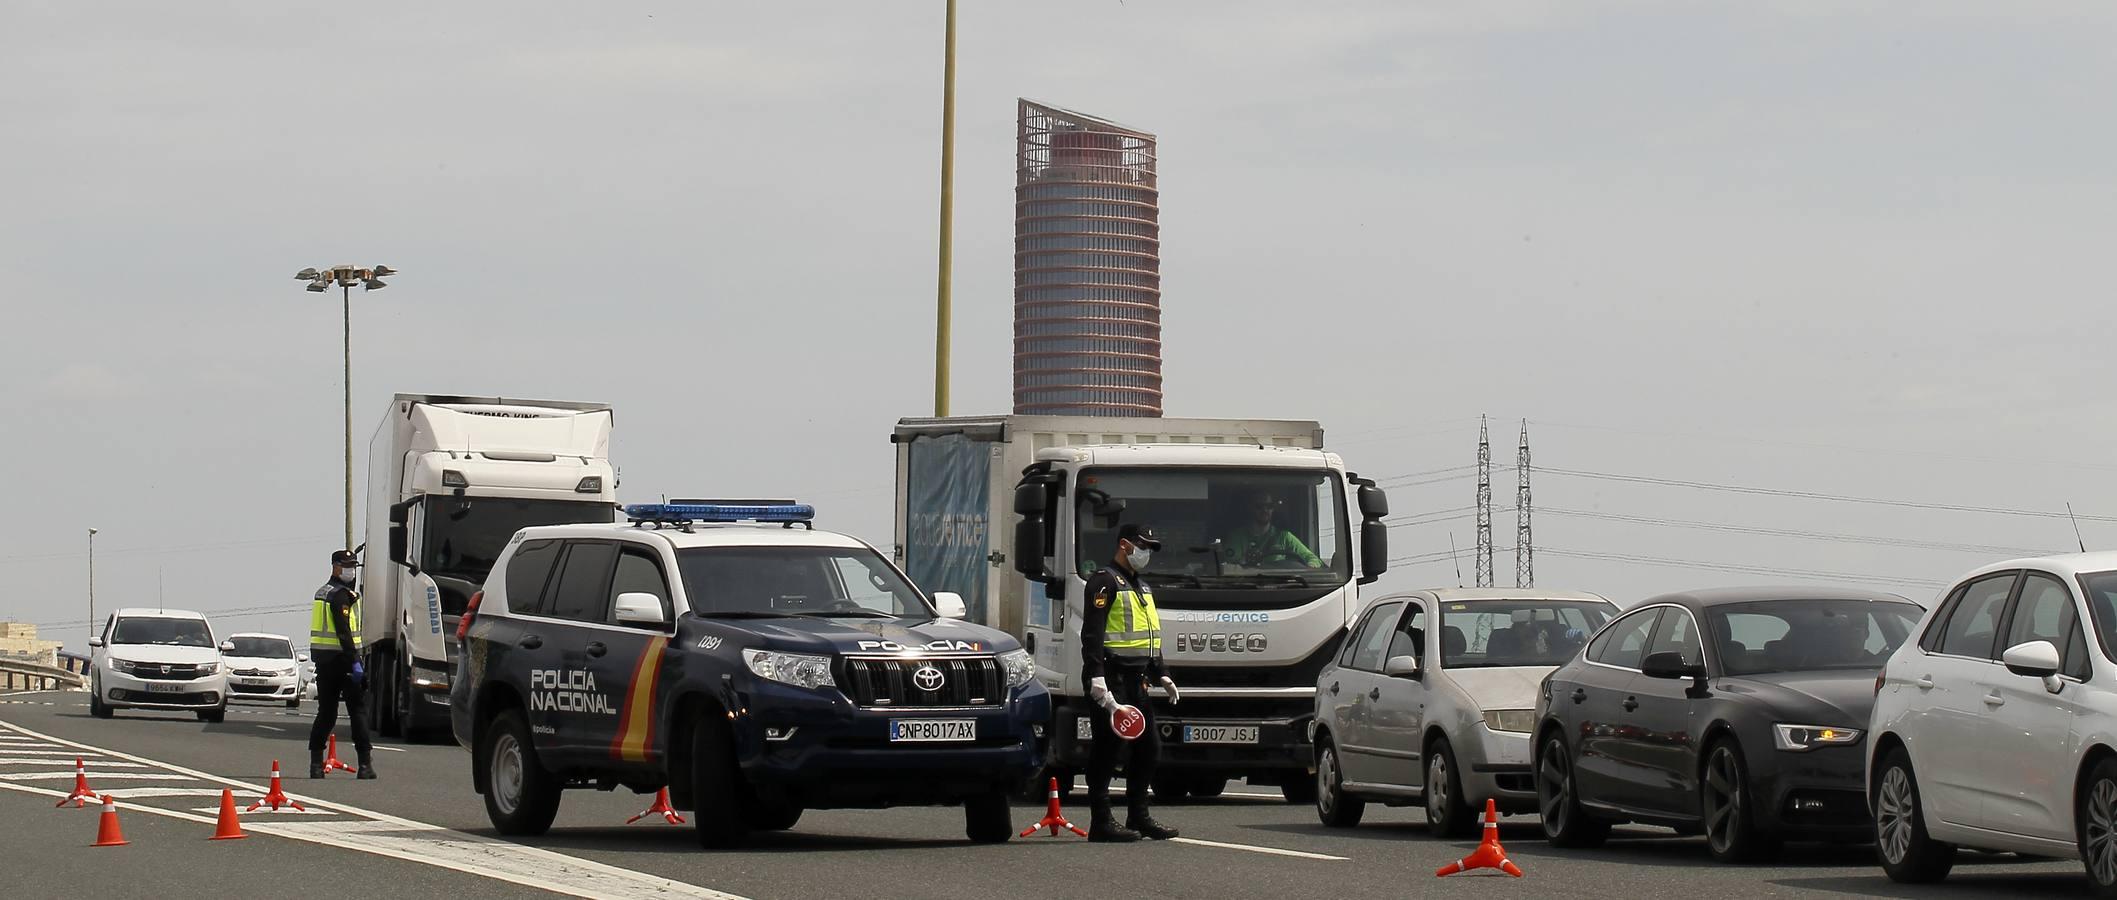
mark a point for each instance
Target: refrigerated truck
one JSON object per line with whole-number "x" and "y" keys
{"x": 1015, "y": 512}
{"x": 450, "y": 480}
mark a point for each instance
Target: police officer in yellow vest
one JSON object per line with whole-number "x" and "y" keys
{"x": 334, "y": 646}
{"x": 1120, "y": 652}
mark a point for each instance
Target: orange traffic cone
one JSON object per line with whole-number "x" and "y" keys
{"x": 331, "y": 762}
{"x": 107, "y": 832}
{"x": 1489, "y": 854}
{"x": 1053, "y": 819}
{"x": 661, "y": 806}
{"x": 275, "y": 798}
{"x": 81, "y": 792}
{"x": 229, "y": 828}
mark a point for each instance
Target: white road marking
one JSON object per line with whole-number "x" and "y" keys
{"x": 420, "y": 842}
{"x": 267, "y": 811}
{"x": 1271, "y": 850}
{"x": 38, "y": 750}
{"x": 271, "y": 728}
{"x": 391, "y": 749}
{"x": 33, "y": 761}
{"x": 149, "y": 793}
{"x": 102, "y": 776}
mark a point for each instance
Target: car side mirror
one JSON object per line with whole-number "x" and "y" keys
{"x": 1670, "y": 664}
{"x": 301, "y": 657}
{"x": 95, "y": 642}
{"x": 638, "y": 608}
{"x": 950, "y": 604}
{"x": 227, "y": 646}
{"x": 2035, "y": 659}
{"x": 1403, "y": 667}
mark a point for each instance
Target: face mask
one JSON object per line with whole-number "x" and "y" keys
{"x": 1137, "y": 559}
{"x": 346, "y": 576}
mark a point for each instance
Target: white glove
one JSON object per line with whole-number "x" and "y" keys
{"x": 1099, "y": 691}
{"x": 1168, "y": 686}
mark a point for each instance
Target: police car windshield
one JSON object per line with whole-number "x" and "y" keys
{"x": 795, "y": 581}
{"x": 261, "y": 648}
{"x": 168, "y": 632}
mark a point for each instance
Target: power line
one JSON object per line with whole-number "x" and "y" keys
{"x": 1851, "y": 448}
{"x": 179, "y": 548}
{"x": 1815, "y": 495}
{"x": 1825, "y": 536}
{"x": 1387, "y": 480}
{"x": 1439, "y": 480}
{"x": 1740, "y": 568}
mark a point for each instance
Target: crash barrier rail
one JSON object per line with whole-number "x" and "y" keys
{"x": 22, "y": 676}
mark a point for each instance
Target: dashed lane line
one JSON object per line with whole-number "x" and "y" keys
{"x": 105, "y": 776}
{"x": 100, "y": 764}
{"x": 1254, "y": 849}
{"x": 399, "y": 838}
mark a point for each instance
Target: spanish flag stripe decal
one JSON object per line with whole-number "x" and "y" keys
{"x": 635, "y": 728}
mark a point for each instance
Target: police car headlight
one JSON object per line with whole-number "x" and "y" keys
{"x": 1799, "y": 738}
{"x": 1018, "y": 666}
{"x": 797, "y": 669}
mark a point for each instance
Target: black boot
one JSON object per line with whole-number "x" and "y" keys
{"x": 1148, "y": 828}
{"x": 367, "y": 772}
{"x": 316, "y": 764}
{"x": 1105, "y": 830}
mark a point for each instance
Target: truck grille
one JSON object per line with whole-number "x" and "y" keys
{"x": 896, "y": 683}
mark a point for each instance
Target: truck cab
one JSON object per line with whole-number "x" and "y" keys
{"x": 753, "y": 666}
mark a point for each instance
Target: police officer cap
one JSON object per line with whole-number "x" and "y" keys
{"x": 1140, "y": 536}
{"x": 345, "y": 559}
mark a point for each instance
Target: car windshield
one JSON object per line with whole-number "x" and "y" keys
{"x": 463, "y": 535}
{"x": 791, "y": 581}
{"x": 1776, "y": 636}
{"x": 261, "y": 648}
{"x": 1221, "y": 527}
{"x": 168, "y": 632}
{"x": 1492, "y": 633}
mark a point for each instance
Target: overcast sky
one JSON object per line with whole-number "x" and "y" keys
{"x": 1846, "y": 248}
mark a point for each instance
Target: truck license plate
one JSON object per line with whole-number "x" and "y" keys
{"x": 1220, "y": 734}
{"x": 153, "y": 688}
{"x": 933, "y": 729}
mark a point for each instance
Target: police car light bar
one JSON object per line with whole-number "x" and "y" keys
{"x": 686, "y": 511}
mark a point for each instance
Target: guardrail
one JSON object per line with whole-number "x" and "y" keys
{"x": 22, "y": 676}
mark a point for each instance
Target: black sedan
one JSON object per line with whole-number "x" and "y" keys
{"x": 1750, "y": 736}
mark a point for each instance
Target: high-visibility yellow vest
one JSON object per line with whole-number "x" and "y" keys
{"x": 1134, "y": 628}
{"x": 322, "y": 636}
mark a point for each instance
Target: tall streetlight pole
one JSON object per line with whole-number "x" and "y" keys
{"x": 345, "y": 277}
{"x": 91, "y": 581}
{"x": 943, "y": 311}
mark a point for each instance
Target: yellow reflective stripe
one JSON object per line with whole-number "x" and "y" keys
{"x": 321, "y": 634}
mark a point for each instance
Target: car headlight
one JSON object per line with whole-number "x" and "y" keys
{"x": 208, "y": 668}
{"x": 1018, "y": 666}
{"x": 1801, "y": 738}
{"x": 425, "y": 677}
{"x": 1518, "y": 721}
{"x": 797, "y": 669}
{"x": 120, "y": 665}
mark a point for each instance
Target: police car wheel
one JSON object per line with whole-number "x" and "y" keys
{"x": 773, "y": 816}
{"x": 988, "y": 819}
{"x": 520, "y": 797}
{"x": 721, "y": 800}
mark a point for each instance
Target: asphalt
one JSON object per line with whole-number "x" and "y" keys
{"x": 423, "y": 808}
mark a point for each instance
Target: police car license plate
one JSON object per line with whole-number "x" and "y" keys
{"x": 933, "y": 729}
{"x": 1220, "y": 734}
{"x": 153, "y": 688}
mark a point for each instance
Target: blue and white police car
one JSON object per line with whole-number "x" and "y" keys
{"x": 754, "y": 666}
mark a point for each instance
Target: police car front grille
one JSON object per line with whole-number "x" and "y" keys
{"x": 893, "y": 682}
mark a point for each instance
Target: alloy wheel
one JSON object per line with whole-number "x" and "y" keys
{"x": 2101, "y": 850}
{"x": 1893, "y": 812}
{"x": 1723, "y": 799}
{"x": 1327, "y": 781}
{"x": 1436, "y": 788}
{"x": 1555, "y": 776}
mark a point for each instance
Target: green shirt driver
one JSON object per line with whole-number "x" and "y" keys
{"x": 1260, "y": 543}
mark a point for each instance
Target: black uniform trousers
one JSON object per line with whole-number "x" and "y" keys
{"x": 1128, "y": 683}
{"x": 334, "y": 680}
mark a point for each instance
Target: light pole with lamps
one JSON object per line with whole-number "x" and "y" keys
{"x": 320, "y": 280}
{"x": 91, "y": 581}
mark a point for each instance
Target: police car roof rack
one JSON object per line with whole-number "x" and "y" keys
{"x": 683, "y": 513}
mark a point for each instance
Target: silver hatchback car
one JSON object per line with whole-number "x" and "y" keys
{"x": 1410, "y": 712}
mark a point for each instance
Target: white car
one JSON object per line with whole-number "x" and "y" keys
{"x": 157, "y": 659}
{"x": 1996, "y": 729}
{"x": 1433, "y": 697}
{"x": 262, "y": 667}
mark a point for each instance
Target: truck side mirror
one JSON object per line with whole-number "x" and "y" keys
{"x": 1031, "y": 499}
{"x": 1029, "y": 548}
{"x": 1374, "y": 550}
{"x": 400, "y": 543}
{"x": 1374, "y": 502}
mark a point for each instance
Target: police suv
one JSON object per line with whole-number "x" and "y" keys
{"x": 755, "y": 670}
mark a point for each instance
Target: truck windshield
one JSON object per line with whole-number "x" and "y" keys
{"x": 463, "y": 535}
{"x": 169, "y": 632}
{"x": 1221, "y": 526}
{"x": 1493, "y": 633}
{"x": 795, "y": 581}
{"x": 261, "y": 648}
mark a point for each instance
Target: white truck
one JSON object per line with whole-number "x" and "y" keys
{"x": 1248, "y": 620}
{"x": 450, "y": 481}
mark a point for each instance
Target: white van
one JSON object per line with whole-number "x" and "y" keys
{"x": 157, "y": 659}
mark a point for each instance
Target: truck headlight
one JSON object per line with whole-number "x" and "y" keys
{"x": 1018, "y": 666}
{"x": 425, "y": 677}
{"x": 1518, "y": 721}
{"x": 797, "y": 669}
{"x": 1802, "y": 738}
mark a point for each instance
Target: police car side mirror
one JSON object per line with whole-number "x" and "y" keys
{"x": 639, "y": 608}
{"x": 951, "y": 604}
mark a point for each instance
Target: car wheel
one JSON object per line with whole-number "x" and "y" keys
{"x": 987, "y": 819}
{"x": 1298, "y": 790}
{"x": 1448, "y": 812}
{"x": 1726, "y": 807}
{"x": 2098, "y": 827}
{"x": 1908, "y": 854}
{"x": 721, "y": 800}
{"x": 97, "y": 708}
{"x": 773, "y": 816}
{"x": 1566, "y": 824}
{"x": 1336, "y": 808}
{"x": 294, "y": 703}
{"x": 1208, "y": 786}
{"x": 520, "y": 797}
{"x": 1170, "y": 787}
{"x": 214, "y": 716}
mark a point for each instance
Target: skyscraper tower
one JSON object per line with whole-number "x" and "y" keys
{"x": 1087, "y": 267}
